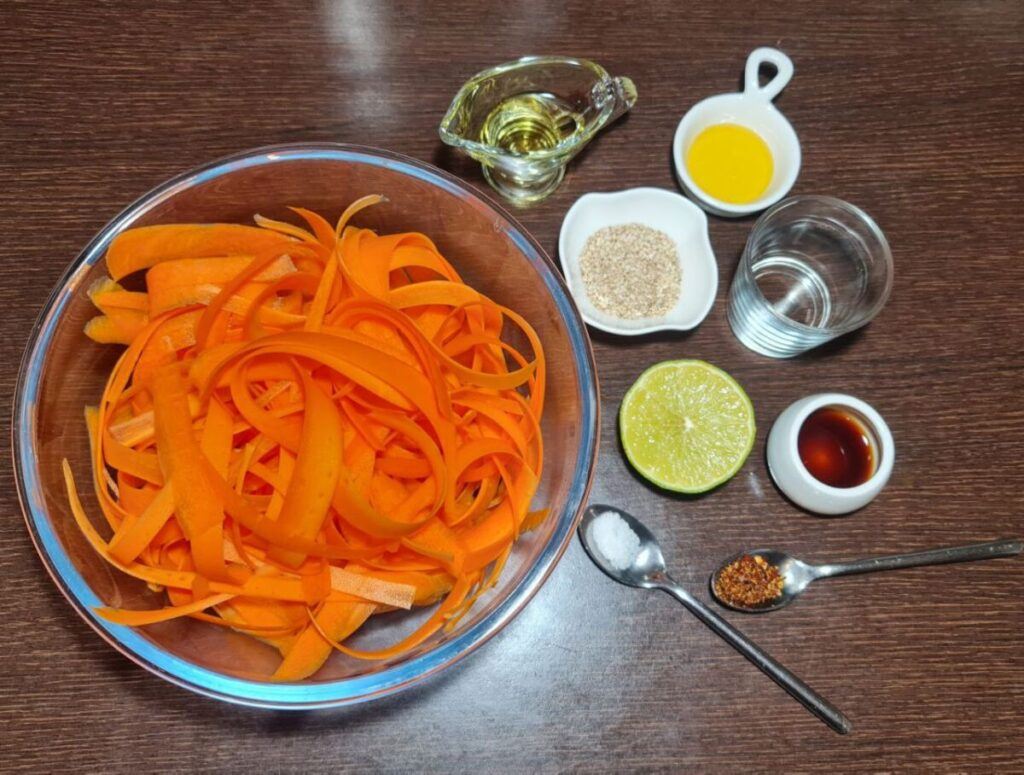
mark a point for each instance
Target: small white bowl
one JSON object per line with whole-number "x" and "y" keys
{"x": 798, "y": 484}
{"x": 657, "y": 208}
{"x": 752, "y": 108}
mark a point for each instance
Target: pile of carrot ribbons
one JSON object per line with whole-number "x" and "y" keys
{"x": 309, "y": 426}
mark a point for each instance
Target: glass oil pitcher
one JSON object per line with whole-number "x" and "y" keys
{"x": 524, "y": 120}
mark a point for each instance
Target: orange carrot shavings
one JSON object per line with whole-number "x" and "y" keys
{"x": 311, "y": 425}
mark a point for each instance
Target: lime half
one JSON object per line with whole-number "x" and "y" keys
{"x": 686, "y": 426}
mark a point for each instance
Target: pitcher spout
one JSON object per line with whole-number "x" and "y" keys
{"x": 618, "y": 93}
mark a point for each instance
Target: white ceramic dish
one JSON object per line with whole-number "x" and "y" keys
{"x": 753, "y": 109}
{"x": 666, "y": 211}
{"x": 798, "y": 484}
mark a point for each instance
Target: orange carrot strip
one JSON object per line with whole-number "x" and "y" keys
{"x": 424, "y": 631}
{"x": 485, "y": 494}
{"x": 163, "y": 280}
{"x": 141, "y": 428}
{"x": 430, "y": 587}
{"x": 485, "y": 540}
{"x": 159, "y": 576}
{"x": 321, "y": 228}
{"x": 403, "y": 467}
{"x": 130, "y": 540}
{"x": 412, "y": 255}
{"x": 282, "y": 227}
{"x": 249, "y": 516}
{"x": 534, "y": 520}
{"x": 199, "y": 512}
{"x": 142, "y": 618}
{"x": 134, "y": 499}
{"x": 317, "y": 467}
{"x": 285, "y": 431}
{"x": 361, "y": 425}
{"x": 146, "y": 246}
{"x": 437, "y": 540}
{"x": 142, "y": 465}
{"x": 302, "y": 282}
{"x": 372, "y": 588}
{"x": 259, "y": 263}
{"x": 105, "y": 293}
{"x": 121, "y": 299}
{"x": 216, "y": 439}
{"x": 336, "y": 620}
{"x": 238, "y": 623}
{"x": 315, "y": 316}
{"x": 105, "y": 329}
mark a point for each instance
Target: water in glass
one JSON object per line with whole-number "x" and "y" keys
{"x": 813, "y": 268}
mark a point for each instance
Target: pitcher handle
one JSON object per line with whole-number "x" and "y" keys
{"x": 784, "y": 71}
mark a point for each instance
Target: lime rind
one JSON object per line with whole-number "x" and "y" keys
{"x": 712, "y": 403}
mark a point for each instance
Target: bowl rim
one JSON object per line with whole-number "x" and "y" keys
{"x": 294, "y": 696}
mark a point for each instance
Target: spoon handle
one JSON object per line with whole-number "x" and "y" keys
{"x": 1006, "y": 547}
{"x": 811, "y": 700}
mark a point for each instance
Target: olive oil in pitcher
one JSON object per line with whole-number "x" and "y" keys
{"x": 527, "y": 123}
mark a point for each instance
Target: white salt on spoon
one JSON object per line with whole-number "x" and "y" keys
{"x": 615, "y": 539}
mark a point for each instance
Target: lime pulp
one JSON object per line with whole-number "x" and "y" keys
{"x": 686, "y": 426}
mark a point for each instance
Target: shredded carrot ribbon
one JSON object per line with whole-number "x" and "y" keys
{"x": 310, "y": 425}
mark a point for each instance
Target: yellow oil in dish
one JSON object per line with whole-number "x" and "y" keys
{"x": 731, "y": 163}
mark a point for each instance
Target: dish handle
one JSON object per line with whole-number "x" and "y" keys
{"x": 767, "y": 56}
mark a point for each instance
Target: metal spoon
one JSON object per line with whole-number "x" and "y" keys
{"x": 647, "y": 571}
{"x": 797, "y": 574}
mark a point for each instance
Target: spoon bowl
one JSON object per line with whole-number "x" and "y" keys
{"x": 796, "y": 575}
{"x": 646, "y": 571}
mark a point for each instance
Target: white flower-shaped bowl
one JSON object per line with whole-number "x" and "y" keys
{"x": 684, "y": 223}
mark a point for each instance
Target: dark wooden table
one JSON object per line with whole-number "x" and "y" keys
{"x": 910, "y": 110}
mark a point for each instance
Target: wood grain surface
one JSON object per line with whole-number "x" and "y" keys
{"x": 909, "y": 109}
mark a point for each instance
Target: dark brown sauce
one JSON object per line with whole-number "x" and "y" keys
{"x": 836, "y": 448}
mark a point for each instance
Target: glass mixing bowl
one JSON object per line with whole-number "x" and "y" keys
{"x": 63, "y": 371}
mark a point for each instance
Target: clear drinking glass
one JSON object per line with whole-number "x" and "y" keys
{"x": 814, "y": 268}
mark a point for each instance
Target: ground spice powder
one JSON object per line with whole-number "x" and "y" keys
{"x": 748, "y": 582}
{"x": 631, "y": 271}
